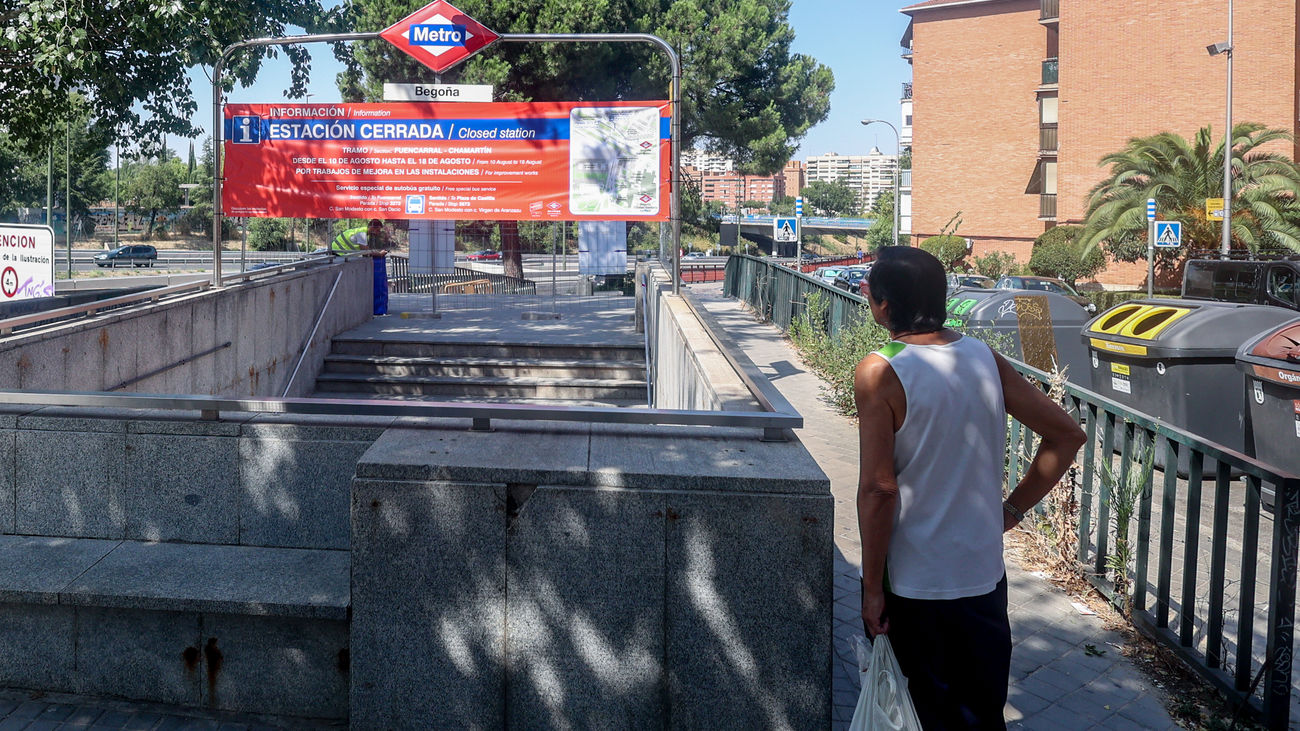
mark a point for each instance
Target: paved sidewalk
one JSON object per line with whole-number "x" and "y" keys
{"x": 1055, "y": 682}
{"x": 28, "y": 711}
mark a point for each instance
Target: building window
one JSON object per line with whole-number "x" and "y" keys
{"x": 1047, "y": 110}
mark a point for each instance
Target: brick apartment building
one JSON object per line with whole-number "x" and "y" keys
{"x": 796, "y": 177}
{"x": 1014, "y": 102}
{"x": 733, "y": 190}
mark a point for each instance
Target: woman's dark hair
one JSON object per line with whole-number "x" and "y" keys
{"x": 913, "y": 283}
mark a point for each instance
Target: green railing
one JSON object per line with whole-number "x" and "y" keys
{"x": 1196, "y": 578}
{"x": 778, "y": 292}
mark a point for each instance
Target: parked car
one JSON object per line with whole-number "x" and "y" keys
{"x": 957, "y": 281}
{"x": 485, "y": 255}
{"x": 1046, "y": 284}
{"x": 1274, "y": 282}
{"x": 693, "y": 255}
{"x": 138, "y": 255}
{"x": 848, "y": 279}
{"x": 827, "y": 274}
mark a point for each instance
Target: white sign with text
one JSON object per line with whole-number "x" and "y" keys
{"x": 26, "y": 262}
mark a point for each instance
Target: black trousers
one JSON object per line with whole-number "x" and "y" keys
{"x": 956, "y": 654}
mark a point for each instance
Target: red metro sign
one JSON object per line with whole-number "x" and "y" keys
{"x": 439, "y": 36}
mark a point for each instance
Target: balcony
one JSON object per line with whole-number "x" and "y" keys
{"x": 1051, "y": 72}
{"x": 907, "y": 90}
{"x": 1047, "y": 140}
{"x": 1047, "y": 207}
{"x": 1049, "y": 11}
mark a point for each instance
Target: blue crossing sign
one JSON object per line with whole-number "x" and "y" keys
{"x": 1169, "y": 234}
{"x": 785, "y": 230}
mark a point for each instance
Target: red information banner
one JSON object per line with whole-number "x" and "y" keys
{"x": 605, "y": 161}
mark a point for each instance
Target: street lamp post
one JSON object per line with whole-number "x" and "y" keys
{"x": 898, "y": 154}
{"x": 1225, "y": 245}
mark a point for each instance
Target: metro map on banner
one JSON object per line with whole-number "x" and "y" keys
{"x": 493, "y": 161}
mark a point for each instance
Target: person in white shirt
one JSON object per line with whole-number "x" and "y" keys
{"x": 932, "y": 407}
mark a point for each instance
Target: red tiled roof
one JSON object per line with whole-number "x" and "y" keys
{"x": 935, "y": 4}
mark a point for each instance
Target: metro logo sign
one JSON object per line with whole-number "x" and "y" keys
{"x": 439, "y": 36}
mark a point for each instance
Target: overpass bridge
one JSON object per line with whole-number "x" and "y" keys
{"x": 759, "y": 228}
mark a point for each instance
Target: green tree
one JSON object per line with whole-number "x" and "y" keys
{"x": 783, "y": 206}
{"x": 996, "y": 264}
{"x": 1057, "y": 253}
{"x": 831, "y": 199}
{"x": 268, "y": 234}
{"x": 1180, "y": 174}
{"x": 948, "y": 249}
{"x": 154, "y": 188}
{"x": 24, "y": 185}
{"x": 132, "y": 58}
{"x": 881, "y": 232}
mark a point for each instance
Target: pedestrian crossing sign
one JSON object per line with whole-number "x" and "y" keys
{"x": 1169, "y": 234}
{"x": 785, "y": 230}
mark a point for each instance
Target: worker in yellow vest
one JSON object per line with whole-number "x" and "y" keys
{"x": 372, "y": 241}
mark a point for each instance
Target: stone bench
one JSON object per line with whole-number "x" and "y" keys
{"x": 239, "y": 628}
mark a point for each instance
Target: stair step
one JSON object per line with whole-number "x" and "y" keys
{"x": 461, "y": 349}
{"x": 399, "y": 366}
{"x": 608, "y": 403}
{"x": 541, "y": 388}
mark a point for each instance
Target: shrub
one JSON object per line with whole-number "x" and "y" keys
{"x": 835, "y": 358}
{"x": 268, "y": 234}
{"x": 947, "y": 249}
{"x": 996, "y": 264}
{"x": 1058, "y": 254}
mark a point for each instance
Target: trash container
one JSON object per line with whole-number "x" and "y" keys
{"x": 1038, "y": 328}
{"x": 1175, "y": 360}
{"x": 1271, "y": 364}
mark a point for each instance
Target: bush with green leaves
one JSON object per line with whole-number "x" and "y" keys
{"x": 836, "y": 358}
{"x": 1059, "y": 253}
{"x": 268, "y": 234}
{"x": 948, "y": 249}
{"x": 996, "y": 264}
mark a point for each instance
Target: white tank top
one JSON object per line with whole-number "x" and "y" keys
{"x": 948, "y": 460}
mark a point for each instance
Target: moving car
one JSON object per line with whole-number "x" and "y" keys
{"x": 693, "y": 255}
{"x": 957, "y": 281}
{"x": 138, "y": 255}
{"x": 1046, "y": 284}
{"x": 485, "y": 255}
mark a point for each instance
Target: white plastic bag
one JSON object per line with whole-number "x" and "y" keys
{"x": 884, "y": 703}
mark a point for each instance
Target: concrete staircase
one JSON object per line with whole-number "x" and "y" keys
{"x": 487, "y": 372}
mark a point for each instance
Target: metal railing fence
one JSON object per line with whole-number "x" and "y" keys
{"x": 1193, "y": 572}
{"x": 402, "y": 281}
{"x": 779, "y": 293}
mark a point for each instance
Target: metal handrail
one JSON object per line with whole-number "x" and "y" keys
{"x": 772, "y": 423}
{"x": 311, "y": 261}
{"x": 7, "y": 325}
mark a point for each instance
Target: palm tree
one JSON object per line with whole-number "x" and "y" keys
{"x": 1181, "y": 174}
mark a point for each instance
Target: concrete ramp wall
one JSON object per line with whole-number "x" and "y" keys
{"x": 240, "y": 340}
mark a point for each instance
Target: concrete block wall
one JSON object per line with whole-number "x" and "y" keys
{"x": 264, "y": 480}
{"x": 690, "y": 371}
{"x": 591, "y": 577}
{"x": 266, "y": 322}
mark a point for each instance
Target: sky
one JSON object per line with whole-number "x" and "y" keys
{"x": 857, "y": 39}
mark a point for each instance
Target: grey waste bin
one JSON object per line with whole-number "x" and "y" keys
{"x": 1175, "y": 360}
{"x": 1050, "y": 326}
{"x": 1271, "y": 363}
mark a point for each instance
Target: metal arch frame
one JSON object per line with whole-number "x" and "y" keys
{"x": 218, "y": 127}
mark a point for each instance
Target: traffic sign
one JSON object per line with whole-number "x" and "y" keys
{"x": 1214, "y": 209}
{"x": 1169, "y": 234}
{"x": 439, "y": 36}
{"x": 785, "y": 230}
{"x": 1151, "y": 209}
{"x": 798, "y": 206}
